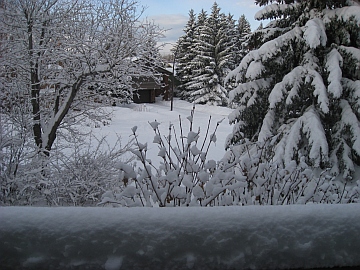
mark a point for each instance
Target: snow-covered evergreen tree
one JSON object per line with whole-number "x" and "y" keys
{"x": 243, "y": 31}
{"x": 300, "y": 87}
{"x": 227, "y": 50}
{"x": 191, "y": 63}
{"x": 205, "y": 85}
{"x": 184, "y": 54}
{"x": 240, "y": 46}
{"x": 210, "y": 48}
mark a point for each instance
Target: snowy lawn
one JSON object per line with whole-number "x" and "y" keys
{"x": 251, "y": 237}
{"x": 123, "y": 119}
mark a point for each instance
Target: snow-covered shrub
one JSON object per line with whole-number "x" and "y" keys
{"x": 16, "y": 150}
{"x": 80, "y": 175}
{"x": 185, "y": 176}
{"x": 271, "y": 183}
{"x": 75, "y": 174}
{"x": 247, "y": 175}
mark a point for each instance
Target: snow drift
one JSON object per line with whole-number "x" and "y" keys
{"x": 252, "y": 237}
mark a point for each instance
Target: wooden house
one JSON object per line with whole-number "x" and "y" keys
{"x": 149, "y": 88}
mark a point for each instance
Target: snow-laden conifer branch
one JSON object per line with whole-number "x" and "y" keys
{"x": 264, "y": 53}
{"x": 353, "y": 52}
{"x": 275, "y": 10}
{"x": 315, "y": 33}
{"x": 354, "y": 88}
{"x": 333, "y": 65}
{"x": 267, "y": 127}
{"x": 349, "y": 119}
{"x": 312, "y": 66}
{"x": 346, "y": 13}
{"x": 246, "y": 90}
{"x": 296, "y": 79}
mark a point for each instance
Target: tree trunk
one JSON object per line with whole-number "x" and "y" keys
{"x": 35, "y": 89}
{"x": 59, "y": 114}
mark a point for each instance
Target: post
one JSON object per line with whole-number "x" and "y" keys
{"x": 173, "y": 78}
{"x": 172, "y": 85}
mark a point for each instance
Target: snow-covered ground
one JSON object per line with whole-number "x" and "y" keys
{"x": 251, "y": 237}
{"x": 124, "y": 118}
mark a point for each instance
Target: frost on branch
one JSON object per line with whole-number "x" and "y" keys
{"x": 70, "y": 56}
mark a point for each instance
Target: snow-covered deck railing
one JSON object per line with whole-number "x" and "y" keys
{"x": 251, "y": 237}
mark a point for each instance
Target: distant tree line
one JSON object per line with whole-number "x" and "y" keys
{"x": 211, "y": 46}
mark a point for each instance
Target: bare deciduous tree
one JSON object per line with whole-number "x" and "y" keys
{"x": 56, "y": 54}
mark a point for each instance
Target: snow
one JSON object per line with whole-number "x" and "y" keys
{"x": 254, "y": 70}
{"x": 315, "y": 33}
{"x": 345, "y": 13}
{"x": 349, "y": 119}
{"x": 145, "y": 118}
{"x": 314, "y": 130}
{"x": 295, "y": 79}
{"x": 333, "y": 66}
{"x": 266, "y": 129}
{"x": 310, "y": 124}
{"x": 252, "y": 237}
{"x": 320, "y": 90}
{"x": 275, "y": 9}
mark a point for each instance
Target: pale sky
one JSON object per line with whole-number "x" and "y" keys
{"x": 173, "y": 14}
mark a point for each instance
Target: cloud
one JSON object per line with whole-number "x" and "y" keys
{"x": 246, "y": 3}
{"x": 166, "y": 48}
{"x": 173, "y": 25}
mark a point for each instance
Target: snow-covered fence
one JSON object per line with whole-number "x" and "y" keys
{"x": 253, "y": 237}
{"x": 142, "y": 108}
